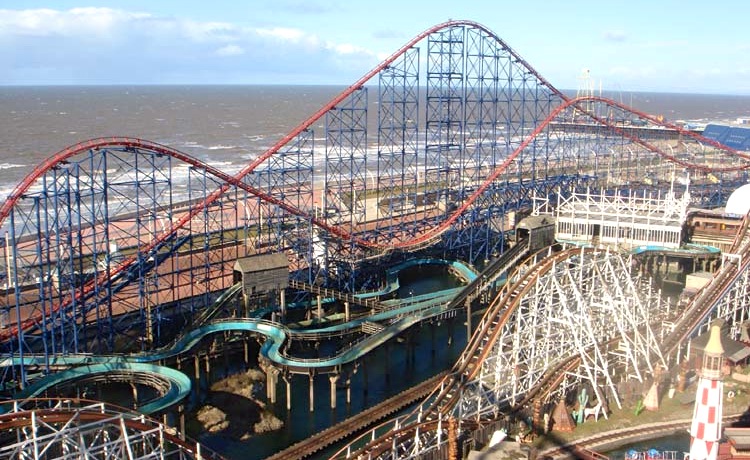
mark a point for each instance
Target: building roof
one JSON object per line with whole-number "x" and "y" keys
{"x": 263, "y": 262}
{"x": 735, "y": 137}
{"x": 733, "y": 350}
{"x": 714, "y": 345}
{"x": 531, "y": 222}
{"x": 739, "y": 437}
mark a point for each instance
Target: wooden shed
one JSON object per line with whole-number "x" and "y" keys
{"x": 262, "y": 273}
{"x": 538, "y": 230}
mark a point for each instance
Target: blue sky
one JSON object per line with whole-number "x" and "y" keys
{"x": 656, "y": 45}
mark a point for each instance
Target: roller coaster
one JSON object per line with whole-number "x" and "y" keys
{"x": 112, "y": 240}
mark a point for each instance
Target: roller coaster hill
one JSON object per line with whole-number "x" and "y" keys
{"x": 119, "y": 245}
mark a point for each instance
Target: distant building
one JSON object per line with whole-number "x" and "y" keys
{"x": 735, "y": 137}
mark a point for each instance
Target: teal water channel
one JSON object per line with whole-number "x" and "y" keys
{"x": 416, "y": 355}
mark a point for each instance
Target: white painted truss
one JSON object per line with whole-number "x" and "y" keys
{"x": 584, "y": 305}
{"x": 726, "y": 296}
{"x": 67, "y": 429}
{"x": 563, "y": 319}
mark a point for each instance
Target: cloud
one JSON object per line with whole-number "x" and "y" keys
{"x": 346, "y": 48}
{"x": 304, "y": 7}
{"x": 230, "y": 50}
{"x": 106, "y": 45}
{"x": 282, "y": 33}
{"x": 614, "y": 35}
{"x": 73, "y": 22}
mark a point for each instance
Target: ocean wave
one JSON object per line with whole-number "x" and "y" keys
{"x": 5, "y": 191}
{"x": 195, "y": 145}
{"x": 11, "y": 165}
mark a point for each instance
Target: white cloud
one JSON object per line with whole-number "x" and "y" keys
{"x": 282, "y": 33}
{"x": 346, "y": 48}
{"x": 209, "y": 31}
{"x": 59, "y": 46}
{"x": 614, "y": 35}
{"x": 230, "y": 50}
{"x": 74, "y": 22}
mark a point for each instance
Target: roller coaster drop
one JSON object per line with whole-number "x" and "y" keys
{"x": 109, "y": 237}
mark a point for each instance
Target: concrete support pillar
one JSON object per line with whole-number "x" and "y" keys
{"x": 282, "y": 301}
{"x": 246, "y": 347}
{"x": 347, "y": 315}
{"x": 348, "y": 391}
{"x": 272, "y": 377}
{"x": 312, "y": 392}
{"x": 288, "y": 381}
{"x": 134, "y": 388}
{"x": 320, "y": 307}
{"x": 197, "y": 375}
{"x": 333, "y": 378}
{"x": 181, "y": 411}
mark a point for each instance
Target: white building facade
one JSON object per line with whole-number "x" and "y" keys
{"x": 621, "y": 220}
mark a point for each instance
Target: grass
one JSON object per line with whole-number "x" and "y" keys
{"x": 669, "y": 410}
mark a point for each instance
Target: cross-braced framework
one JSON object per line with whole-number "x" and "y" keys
{"x": 571, "y": 318}
{"x": 573, "y": 307}
{"x": 622, "y": 220}
{"x": 80, "y": 429}
{"x": 726, "y": 296}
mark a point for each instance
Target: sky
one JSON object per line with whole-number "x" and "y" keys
{"x": 635, "y": 45}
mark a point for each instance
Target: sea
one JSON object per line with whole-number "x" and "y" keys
{"x": 225, "y": 126}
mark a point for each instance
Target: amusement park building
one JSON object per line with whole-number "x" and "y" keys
{"x": 628, "y": 221}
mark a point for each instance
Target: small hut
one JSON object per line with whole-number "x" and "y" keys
{"x": 261, "y": 274}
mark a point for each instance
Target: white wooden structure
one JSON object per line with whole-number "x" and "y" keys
{"x": 622, "y": 220}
